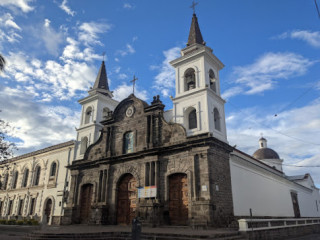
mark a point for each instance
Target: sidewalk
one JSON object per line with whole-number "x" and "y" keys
{"x": 117, "y": 228}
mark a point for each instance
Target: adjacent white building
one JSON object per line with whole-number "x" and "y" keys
{"x": 35, "y": 185}
{"x": 260, "y": 185}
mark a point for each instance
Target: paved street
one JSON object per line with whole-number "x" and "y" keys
{"x": 17, "y": 232}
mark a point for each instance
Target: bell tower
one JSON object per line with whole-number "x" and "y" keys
{"x": 95, "y": 107}
{"x": 197, "y": 104}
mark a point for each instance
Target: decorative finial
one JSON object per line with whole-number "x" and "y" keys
{"x": 103, "y": 54}
{"x": 134, "y": 82}
{"x": 193, "y": 6}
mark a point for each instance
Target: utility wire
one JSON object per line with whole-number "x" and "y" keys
{"x": 293, "y": 165}
{"x": 295, "y": 100}
{"x": 310, "y": 166}
{"x": 315, "y": 2}
{"x": 295, "y": 138}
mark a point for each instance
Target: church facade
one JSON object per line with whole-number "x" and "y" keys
{"x": 133, "y": 159}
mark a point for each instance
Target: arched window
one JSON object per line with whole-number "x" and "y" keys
{"x": 15, "y": 180}
{"x": 88, "y": 115}
{"x": 192, "y": 119}
{"x": 212, "y": 79}
{"x": 83, "y": 145}
{"x": 189, "y": 79}
{"x": 53, "y": 169}
{"x": 37, "y": 176}
{"x": 25, "y": 177}
{"x": 128, "y": 142}
{"x": 216, "y": 115}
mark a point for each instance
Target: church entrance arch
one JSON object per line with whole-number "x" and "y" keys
{"x": 127, "y": 199}
{"x": 178, "y": 199}
{"x": 85, "y": 202}
{"x": 47, "y": 210}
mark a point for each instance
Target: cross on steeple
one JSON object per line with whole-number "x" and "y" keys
{"x": 134, "y": 82}
{"x": 103, "y": 54}
{"x": 193, "y": 6}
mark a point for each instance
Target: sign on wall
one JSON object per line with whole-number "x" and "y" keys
{"x": 147, "y": 192}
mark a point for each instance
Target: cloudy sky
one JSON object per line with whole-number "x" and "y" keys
{"x": 271, "y": 81}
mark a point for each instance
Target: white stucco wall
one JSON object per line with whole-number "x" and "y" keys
{"x": 48, "y": 187}
{"x": 266, "y": 192}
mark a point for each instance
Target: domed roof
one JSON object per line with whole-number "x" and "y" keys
{"x": 265, "y": 153}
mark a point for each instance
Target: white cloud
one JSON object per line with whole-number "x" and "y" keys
{"x": 89, "y": 32}
{"x": 38, "y": 125}
{"x": 9, "y": 29}
{"x": 312, "y": 38}
{"x": 122, "y": 76}
{"x": 124, "y": 90}
{"x": 165, "y": 80}
{"x": 72, "y": 74}
{"x": 59, "y": 80}
{"x": 231, "y": 92}
{"x": 263, "y": 74}
{"x": 51, "y": 38}
{"x": 245, "y": 126}
{"x": 66, "y": 8}
{"x": 127, "y": 6}
{"x": 21, "y": 4}
{"x": 128, "y": 50}
{"x": 72, "y": 51}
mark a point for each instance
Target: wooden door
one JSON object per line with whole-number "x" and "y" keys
{"x": 178, "y": 199}
{"x": 47, "y": 210}
{"x": 85, "y": 202}
{"x": 127, "y": 200}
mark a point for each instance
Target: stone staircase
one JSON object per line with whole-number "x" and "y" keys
{"x": 127, "y": 236}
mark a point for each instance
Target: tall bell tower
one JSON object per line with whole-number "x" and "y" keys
{"x": 95, "y": 107}
{"x": 197, "y": 104}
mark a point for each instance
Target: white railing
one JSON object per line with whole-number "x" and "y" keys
{"x": 246, "y": 225}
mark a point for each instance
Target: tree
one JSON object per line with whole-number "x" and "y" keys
{"x": 6, "y": 147}
{"x": 2, "y": 63}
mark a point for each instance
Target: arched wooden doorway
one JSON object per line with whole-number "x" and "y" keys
{"x": 47, "y": 210}
{"x": 85, "y": 202}
{"x": 178, "y": 199}
{"x": 127, "y": 199}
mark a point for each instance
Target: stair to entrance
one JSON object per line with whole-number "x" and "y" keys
{"x": 127, "y": 236}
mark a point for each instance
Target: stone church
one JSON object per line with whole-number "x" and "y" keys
{"x": 164, "y": 167}
{"x": 134, "y": 159}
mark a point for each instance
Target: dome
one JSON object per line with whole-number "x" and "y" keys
{"x": 265, "y": 153}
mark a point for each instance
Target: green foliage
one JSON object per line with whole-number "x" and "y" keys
{"x": 2, "y": 221}
{"x": 11, "y": 222}
{"x": 19, "y": 222}
{"x": 2, "y": 63}
{"x": 6, "y": 147}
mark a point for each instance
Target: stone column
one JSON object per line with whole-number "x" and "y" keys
{"x": 104, "y": 184}
{"x": 157, "y": 177}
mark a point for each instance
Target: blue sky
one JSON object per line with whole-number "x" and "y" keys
{"x": 270, "y": 50}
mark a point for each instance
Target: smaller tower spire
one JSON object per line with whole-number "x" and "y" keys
{"x": 195, "y": 35}
{"x": 102, "y": 79}
{"x": 262, "y": 142}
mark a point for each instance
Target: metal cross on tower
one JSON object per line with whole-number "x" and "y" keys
{"x": 103, "y": 54}
{"x": 193, "y": 6}
{"x": 134, "y": 82}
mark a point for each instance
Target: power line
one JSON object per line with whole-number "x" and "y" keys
{"x": 295, "y": 138}
{"x": 290, "y": 165}
{"x": 293, "y": 165}
{"x": 315, "y": 2}
{"x": 295, "y": 100}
